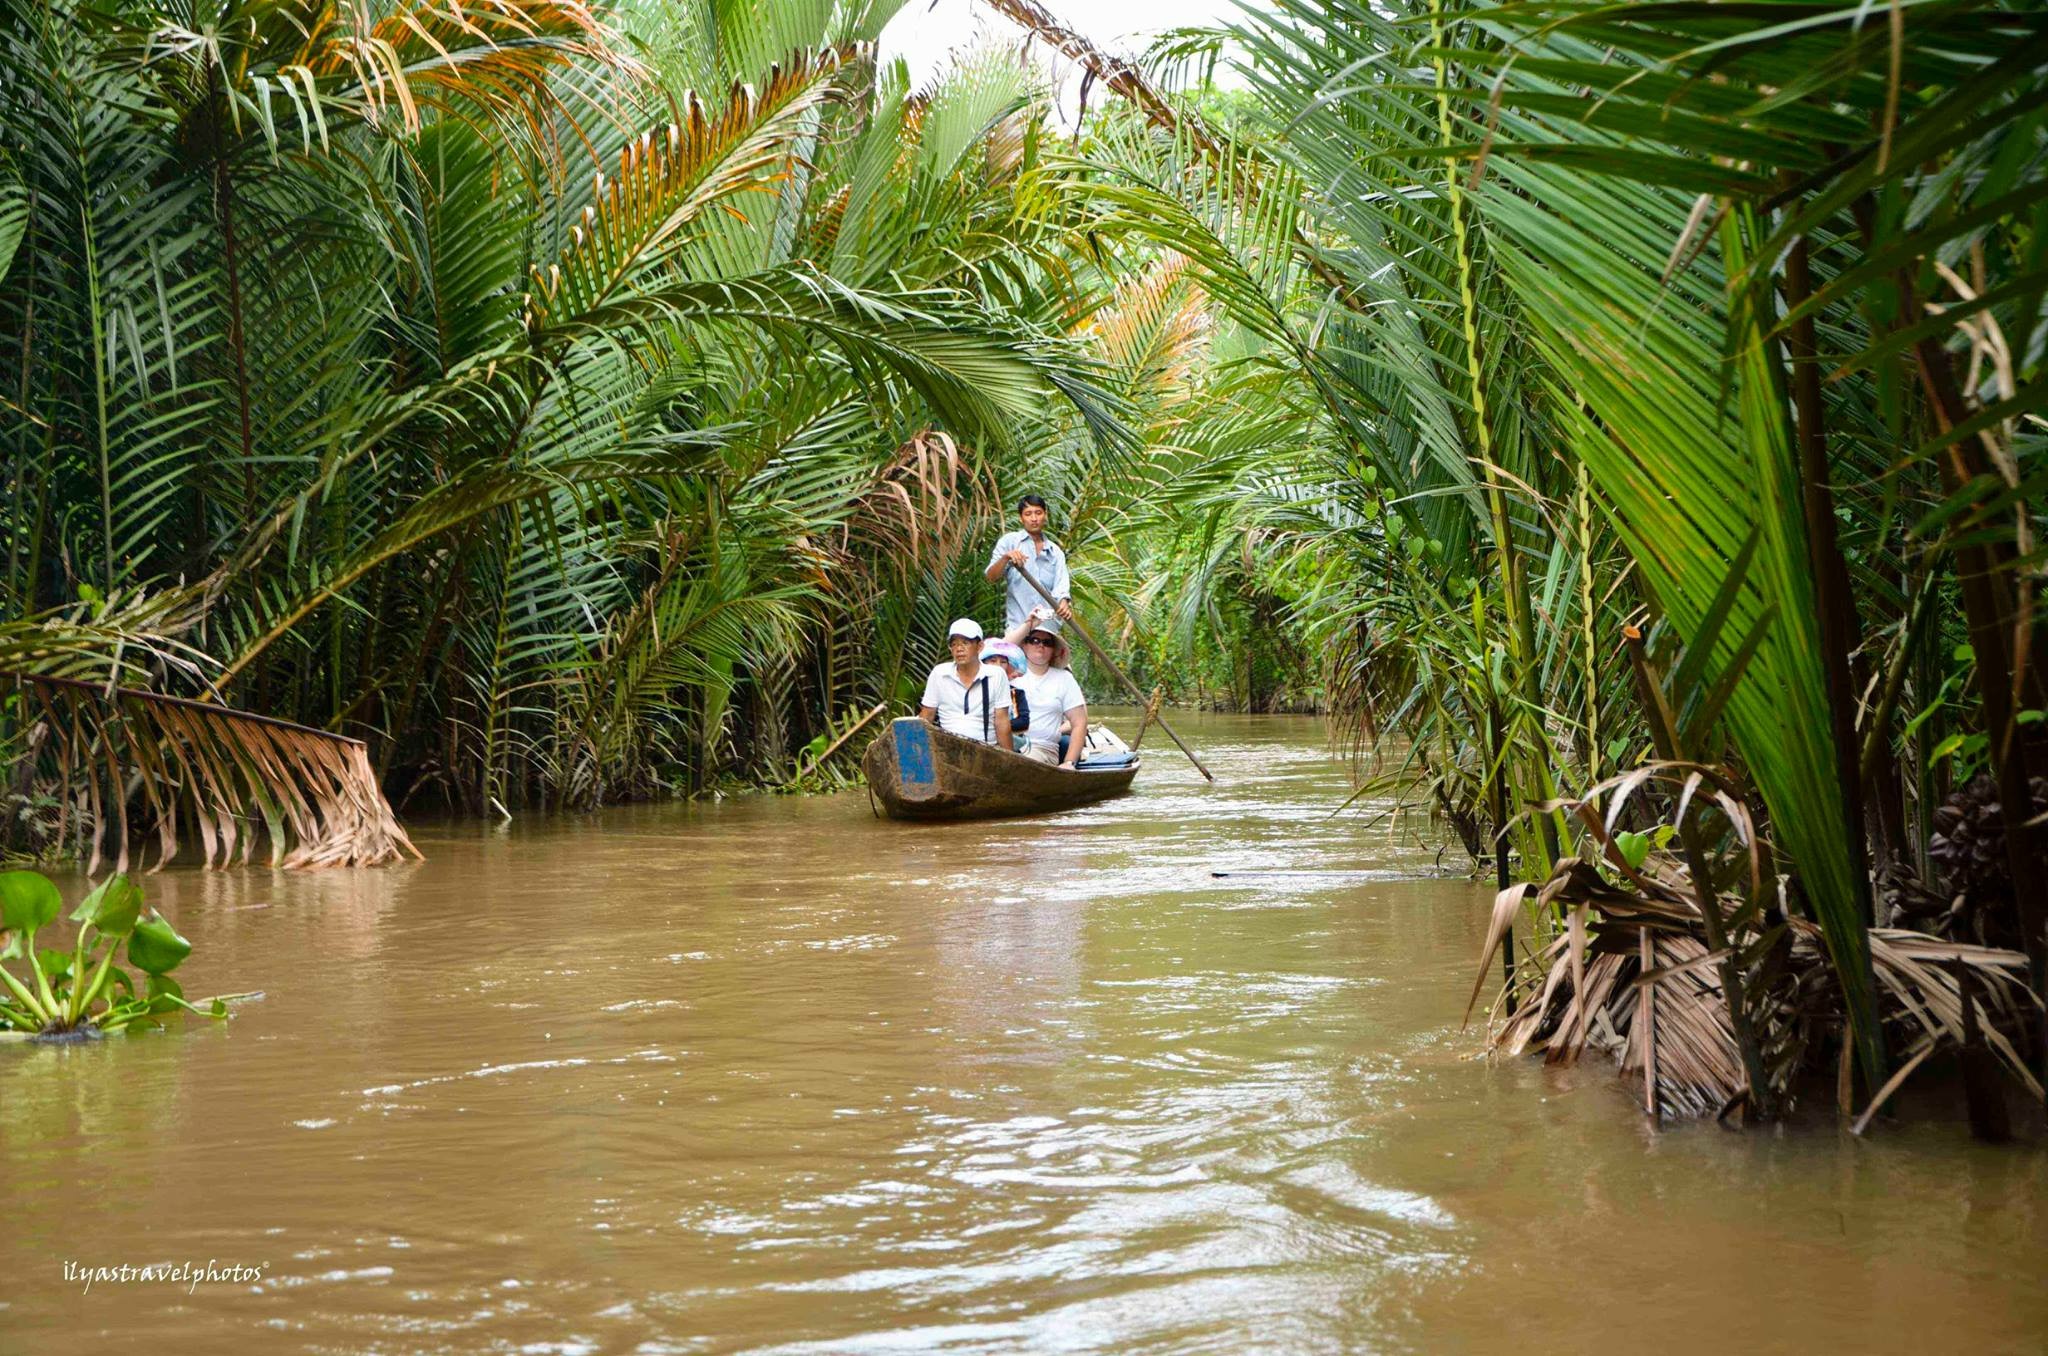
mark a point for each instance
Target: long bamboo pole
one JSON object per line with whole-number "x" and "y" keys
{"x": 855, "y": 729}
{"x": 1121, "y": 676}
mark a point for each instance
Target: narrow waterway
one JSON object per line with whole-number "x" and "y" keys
{"x": 769, "y": 1075}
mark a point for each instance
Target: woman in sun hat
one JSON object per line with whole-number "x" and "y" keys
{"x": 1051, "y": 690}
{"x": 1040, "y": 619}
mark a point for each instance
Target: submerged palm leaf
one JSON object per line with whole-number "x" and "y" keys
{"x": 234, "y": 777}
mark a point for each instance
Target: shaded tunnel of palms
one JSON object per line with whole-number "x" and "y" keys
{"x": 609, "y": 402}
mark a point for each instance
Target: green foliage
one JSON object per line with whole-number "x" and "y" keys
{"x": 1586, "y": 317}
{"x": 535, "y": 411}
{"x": 82, "y": 986}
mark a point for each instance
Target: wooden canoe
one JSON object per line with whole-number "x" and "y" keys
{"x": 918, "y": 771}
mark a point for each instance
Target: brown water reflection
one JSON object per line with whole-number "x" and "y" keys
{"x": 771, "y": 1076}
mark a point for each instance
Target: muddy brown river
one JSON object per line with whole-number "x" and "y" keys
{"x": 767, "y": 1075}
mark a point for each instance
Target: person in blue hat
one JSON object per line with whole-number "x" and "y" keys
{"x": 1007, "y": 656}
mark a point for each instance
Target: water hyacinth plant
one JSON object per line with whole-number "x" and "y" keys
{"x": 82, "y": 988}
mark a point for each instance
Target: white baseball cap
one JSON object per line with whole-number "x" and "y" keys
{"x": 964, "y": 626}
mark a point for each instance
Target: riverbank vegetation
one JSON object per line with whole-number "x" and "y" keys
{"x": 1680, "y": 368}
{"x": 80, "y": 990}
{"x": 579, "y": 403}
{"x": 560, "y": 399}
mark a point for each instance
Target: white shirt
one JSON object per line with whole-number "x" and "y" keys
{"x": 1046, "y": 561}
{"x": 1052, "y": 694}
{"x": 962, "y": 706}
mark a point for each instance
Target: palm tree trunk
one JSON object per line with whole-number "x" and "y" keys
{"x": 1840, "y": 632}
{"x": 1983, "y": 569}
{"x": 23, "y": 573}
{"x": 224, "y": 210}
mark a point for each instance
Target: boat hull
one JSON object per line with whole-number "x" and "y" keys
{"x": 918, "y": 771}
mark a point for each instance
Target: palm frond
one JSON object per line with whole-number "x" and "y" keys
{"x": 235, "y": 777}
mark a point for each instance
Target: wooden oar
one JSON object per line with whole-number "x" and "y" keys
{"x": 1111, "y": 665}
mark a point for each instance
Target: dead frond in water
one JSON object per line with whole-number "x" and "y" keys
{"x": 1586, "y": 989}
{"x": 130, "y": 767}
{"x": 1629, "y": 970}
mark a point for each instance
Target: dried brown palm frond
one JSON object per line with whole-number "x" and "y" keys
{"x": 1155, "y": 329}
{"x": 1590, "y": 993}
{"x": 1631, "y": 975}
{"x": 126, "y": 764}
{"x": 387, "y": 63}
{"x": 932, "y": 500}
{"x": 670, "y": 178}
{"x": 1920, "y": 980}
{"x": 1004, "y": 153}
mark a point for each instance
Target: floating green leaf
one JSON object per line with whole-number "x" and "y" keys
{"x": 28, "y": 900}
{"x": 112, "y": 907}
{"x": 155, "y": 947}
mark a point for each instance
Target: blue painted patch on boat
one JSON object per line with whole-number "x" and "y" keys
{"x": 914, "y": 753}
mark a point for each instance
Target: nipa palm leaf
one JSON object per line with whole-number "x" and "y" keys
{"x": 231, "y": 774}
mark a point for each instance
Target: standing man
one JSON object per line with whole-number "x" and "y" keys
{"x": 1029, "y": 548}
{"x": 967, "y": 697}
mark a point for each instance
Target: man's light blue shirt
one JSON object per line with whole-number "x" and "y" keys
{"x": 1048, "y": 565}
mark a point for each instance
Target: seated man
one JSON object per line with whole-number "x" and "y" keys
{"x": 1052, "y": 692}
{"x": 967, "y": 697}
